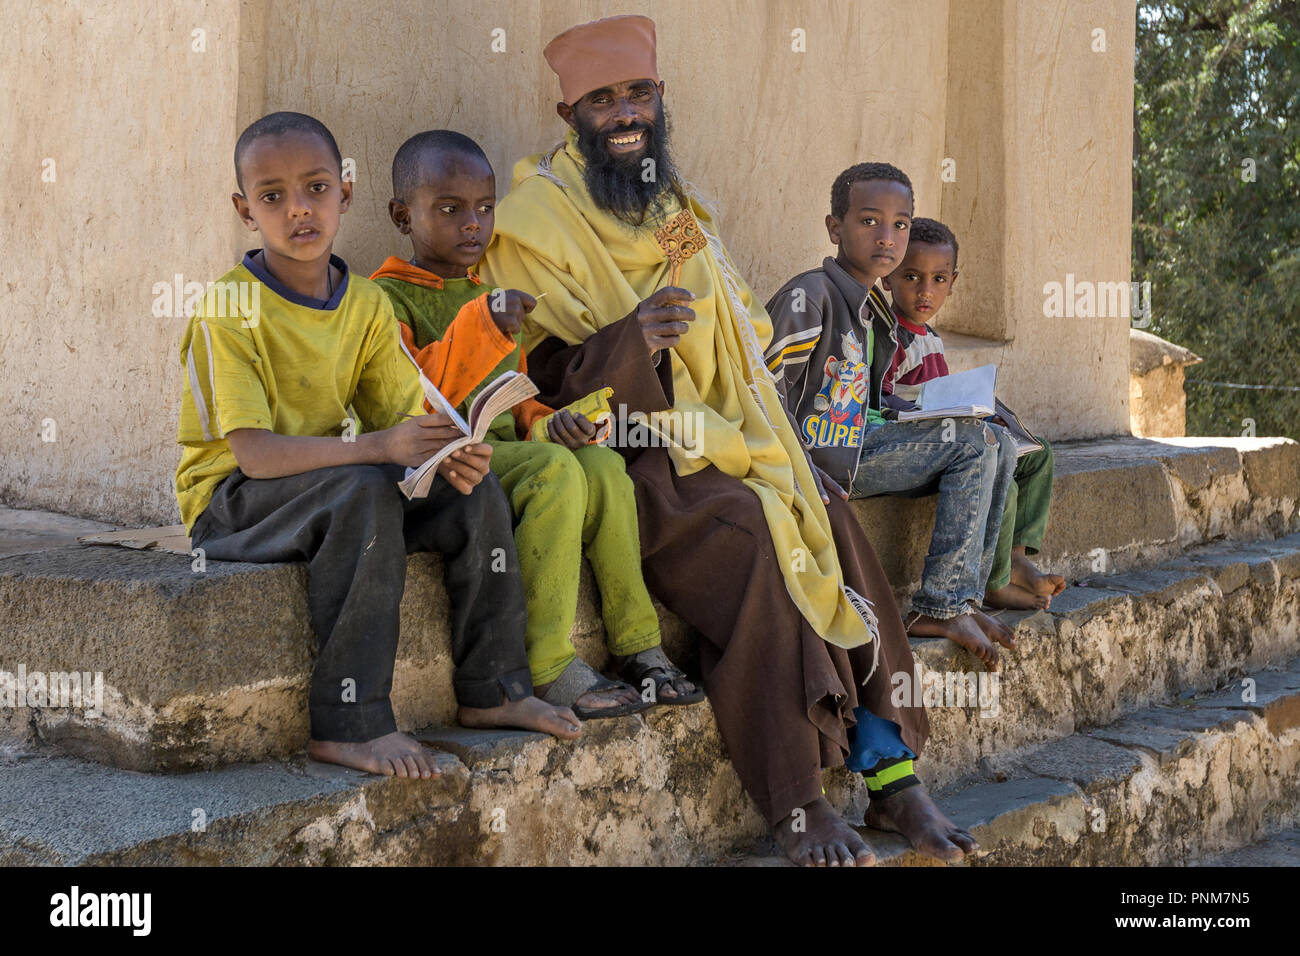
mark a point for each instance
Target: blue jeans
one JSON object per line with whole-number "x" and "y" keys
{"x": 970, "y": 463}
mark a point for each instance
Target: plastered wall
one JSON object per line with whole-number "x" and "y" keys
{"x": 768, "y": 101}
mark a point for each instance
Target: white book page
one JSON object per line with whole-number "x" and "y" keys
{"x": 973, "y": 388}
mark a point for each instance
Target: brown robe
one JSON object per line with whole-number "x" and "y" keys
{"x": 783, "y": 698}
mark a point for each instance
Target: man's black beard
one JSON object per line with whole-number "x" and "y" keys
{"x": 617, "y": 185}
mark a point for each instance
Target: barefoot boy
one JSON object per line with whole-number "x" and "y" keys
{"x": 918, "y": 289}
{"x": 832, "y": 343}
{"x": 566, "y": 493}
{"x": 273, "y": 467}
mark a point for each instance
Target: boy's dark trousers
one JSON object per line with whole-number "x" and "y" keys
{"x": 354, "y": 527}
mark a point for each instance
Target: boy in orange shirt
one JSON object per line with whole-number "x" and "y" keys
{"x": 568, "y": 493}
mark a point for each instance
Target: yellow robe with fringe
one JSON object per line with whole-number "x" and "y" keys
{"x": 594, "y": 269}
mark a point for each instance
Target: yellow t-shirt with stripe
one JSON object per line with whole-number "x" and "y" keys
{"x": 251, "y": 358}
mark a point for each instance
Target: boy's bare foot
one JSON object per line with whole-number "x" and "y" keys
{"x": 1024, "y": 574}
{"x": 815, "y": 835}
{"x": 994, "y": 629}
{"x": 528, "y": 713}
{"x": 912, "y": 813}
{"x": 962, "y": 629}
{"x": 393, "y": 755}
{"x": 1015, "y": 598}
{"x": 598, "y": 700}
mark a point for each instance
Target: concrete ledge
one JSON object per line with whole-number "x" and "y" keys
{"x": 1113, "y": 645}
{"x": 203, "y": 669}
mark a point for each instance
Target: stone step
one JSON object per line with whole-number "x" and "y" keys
{"x": 1276, "y": 849}
{"x": 1165, "y": 784}
{"x": 653, "y": 788}
{"x": 1116, "y": 643}
{"x": 200, "y": 670}
{"x": 1198, "y": 782}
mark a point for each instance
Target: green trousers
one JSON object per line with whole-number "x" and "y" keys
{"x": 564, "y": 502}
{"x": 1024, "y": 519}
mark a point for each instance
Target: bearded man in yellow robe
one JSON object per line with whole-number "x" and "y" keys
{"x": 740, "y": 536}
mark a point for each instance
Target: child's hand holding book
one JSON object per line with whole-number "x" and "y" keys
{"x": 584, "y": 422}
{"x": 417, "y": 439}
{"x": 571, "y": 430}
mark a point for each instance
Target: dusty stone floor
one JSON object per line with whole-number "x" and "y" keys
{"x": 28, "y": 532}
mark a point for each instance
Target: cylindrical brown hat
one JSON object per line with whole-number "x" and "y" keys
{"x": 602, "y": 53}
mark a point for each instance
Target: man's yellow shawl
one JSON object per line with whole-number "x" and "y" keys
{"x": 593, "y": 269}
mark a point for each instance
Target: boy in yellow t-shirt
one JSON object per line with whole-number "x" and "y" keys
{"x": 281, "y": 353}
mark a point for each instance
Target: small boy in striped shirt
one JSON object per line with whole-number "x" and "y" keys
{"x": 918, "y": 289}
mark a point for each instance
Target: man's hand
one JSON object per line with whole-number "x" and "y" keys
{"x": 570, "y": 430}
{"x": 508, "y": 308}
{"x": 826, "y": 485}
{"x": 465, "y": 467}
{"x": 665, "y": 317}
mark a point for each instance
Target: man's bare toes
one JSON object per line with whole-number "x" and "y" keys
{"x": 864, "y": 857}
{"x": 964, "y": 840}
{"x": 944, "y": 850}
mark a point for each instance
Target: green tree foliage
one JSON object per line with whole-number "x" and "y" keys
{"x": 1216, "y": 201}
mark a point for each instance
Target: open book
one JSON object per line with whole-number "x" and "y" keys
{"x": 1025, "y": 441}
{"x": 504, "y": 393}
{"x": 961, "y": 395}
{"x": 970, "y": 395}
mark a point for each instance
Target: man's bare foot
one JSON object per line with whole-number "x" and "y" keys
{"x": 528, "y": 713}
{"x": 1014, "y": 597}
{"x": 1027, "y": 576}
{"x": 393, "y": 755}
{"x": 962, "y": 630}
{"x": 912, "y": 813}
{"x": 815, "y": 835}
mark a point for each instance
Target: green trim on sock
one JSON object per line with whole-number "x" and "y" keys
{"x": 890, "y": 774}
